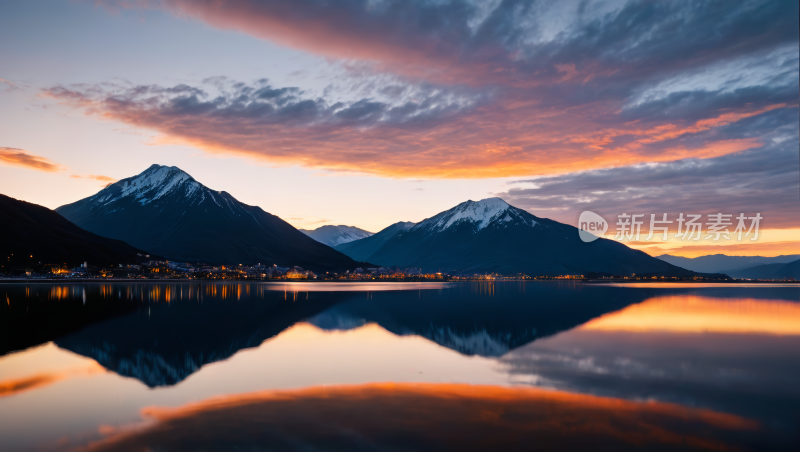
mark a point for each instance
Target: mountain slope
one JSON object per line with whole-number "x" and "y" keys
{"x": 164, "y": 210}
{"x": 790, "y": 270}
{"x": 721, "y": 263}
{"x": 765, "y": 271}
{"x": 336, "y": 235}
{"x": 492, "y": 236}
{"x": 769, "y": 271}
{"x": 33, "y": 230}
{"x": 361, "y": 250}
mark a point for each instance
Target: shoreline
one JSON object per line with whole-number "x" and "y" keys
{"x": 239, "y": 281}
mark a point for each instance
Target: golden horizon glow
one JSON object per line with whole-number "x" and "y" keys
{"x": 697, "y": 314}
{"x": 771, "y": 242}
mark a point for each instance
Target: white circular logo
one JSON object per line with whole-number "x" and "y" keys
{"x": 591, "y": 226}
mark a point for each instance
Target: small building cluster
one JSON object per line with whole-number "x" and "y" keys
{"x": 156, "y": 269}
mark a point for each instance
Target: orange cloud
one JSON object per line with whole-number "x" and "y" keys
{"x": 672, "y": 132}
{"x": 18, "y": 385}
{"x": 94, "y": 177}
{"x": 600, "y": 139}
{"x": 15, "y": 386}
{"x": 106, "y": 181}
{"x": 12, "y": 86}
{"x": 24, "y": 159}
{"x": 485, "y": 96}
{"x": 499, "y": 140}
{"x": 433, "y": 42}
{"x": 443, "y": 416}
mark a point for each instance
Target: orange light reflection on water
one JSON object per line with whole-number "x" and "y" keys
{"x": 697, "y": 314}
{"x": 453, "y": 416}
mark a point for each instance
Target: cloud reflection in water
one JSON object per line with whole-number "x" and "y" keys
{"x": 428, "y": 417}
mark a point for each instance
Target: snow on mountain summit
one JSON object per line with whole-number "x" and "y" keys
{"x": 336, "y": 235}
{"x": 159, "y": 176}
{"x": 480, "y": 213}
{"x": 151, "y": 185}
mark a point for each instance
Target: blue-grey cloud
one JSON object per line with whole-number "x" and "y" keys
{"x": 461, "y": 41}
{"x": 457, "y": 88}
{"x": 765, "y": 180}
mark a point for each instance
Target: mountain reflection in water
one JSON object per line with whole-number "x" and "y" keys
{"x": 626, "y": 366}
{"x": 166, "y": 342}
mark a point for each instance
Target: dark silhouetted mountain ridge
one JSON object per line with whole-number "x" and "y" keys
{"x": 492, "y": 236}
{"x": 32, "y": 230}
{"x": 166, "y": 211}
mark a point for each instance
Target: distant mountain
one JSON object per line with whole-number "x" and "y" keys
{"x": 336, "y": 235}
{"x": 769, "y": 271}
{"x": 492, "y": 236}
{"x": 790, "y": 270}
{"x": 164, "y": 210}
{"x": 765, "y": 271}
{"x": 721, "y": 263}
{"x": 361, "y": 249}
{"x": 32, "y": 234}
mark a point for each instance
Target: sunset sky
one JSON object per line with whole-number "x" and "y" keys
{"x": 369, "y": 112}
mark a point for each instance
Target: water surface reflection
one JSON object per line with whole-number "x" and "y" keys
{"x": 402, "y": 367}
{"x": 429, "y": 417}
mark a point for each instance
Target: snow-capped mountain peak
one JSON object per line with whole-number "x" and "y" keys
{"x": 150, "y": 185}
{"x": 336, "y": 235}
{"x": 479, "y": 213}
{"x": 158, "y": 175}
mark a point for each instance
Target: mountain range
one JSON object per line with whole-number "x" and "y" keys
{"x": 336, "y": 235}
{"x": 769, "y": 271}
{"x": 492, "y": 236}
{"x": 165, "y": 211}
{"x": 34, "y": 234}
{"x": 721, "y": 263}
{"x": 163, "y": 344}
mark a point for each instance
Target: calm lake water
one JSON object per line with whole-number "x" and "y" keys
{"x": 396, "y": 366}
